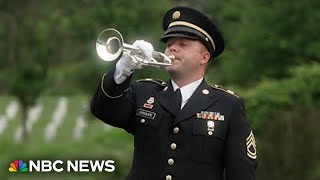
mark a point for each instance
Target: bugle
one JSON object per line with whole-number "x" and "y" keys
{"x": 110, "y": 46}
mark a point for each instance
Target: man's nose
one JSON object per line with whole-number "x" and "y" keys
{"x": 173, "y": 47}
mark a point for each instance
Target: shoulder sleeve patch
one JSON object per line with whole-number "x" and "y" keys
{"x": 224, "y": 89}
{"x": 157, "y": 81}
{"x": 251, "y": 146}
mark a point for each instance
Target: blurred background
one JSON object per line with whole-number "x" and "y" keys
{"x": 49, "y": 70}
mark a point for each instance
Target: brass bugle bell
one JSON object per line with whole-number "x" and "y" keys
{"x": 110, "y": 45}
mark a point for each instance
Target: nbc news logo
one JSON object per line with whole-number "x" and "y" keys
{"x": 59, "y": 166}
{"x": 16, "y": 166}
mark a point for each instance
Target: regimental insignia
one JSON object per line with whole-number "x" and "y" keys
{"x": 176, "y": 15}
{"x": 150, "y": 100}
{"x": 210, "y": 116}
{"x": 149, "y": 103}
{"x": 251, "y": 146}
{"x": 210, "y": 125}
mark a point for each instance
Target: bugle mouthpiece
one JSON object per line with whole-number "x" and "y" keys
{"x": 171, "y": 57}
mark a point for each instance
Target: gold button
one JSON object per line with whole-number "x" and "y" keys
{"x": 170, "y": 161}
{"x": 176, "y": 130}
{"x": 173, "y": 146}
{"x": 205, "y": 91}
{"x": 168, "y": 177}
{"x": 142, "y": 120}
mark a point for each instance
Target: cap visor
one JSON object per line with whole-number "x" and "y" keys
{"x": 165, "y": 37}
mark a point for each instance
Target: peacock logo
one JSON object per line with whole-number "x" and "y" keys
{"x": 18, "y": 166}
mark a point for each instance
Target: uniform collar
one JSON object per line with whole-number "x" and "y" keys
{"x": 187, "y": 90}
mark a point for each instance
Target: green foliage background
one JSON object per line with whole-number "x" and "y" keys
{"x": 272, "y": 60}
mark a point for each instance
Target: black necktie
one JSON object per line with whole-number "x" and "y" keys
{"x": 178, "y": 98}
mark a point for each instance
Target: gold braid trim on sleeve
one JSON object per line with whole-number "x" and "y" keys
{"x": 111, "y": 97}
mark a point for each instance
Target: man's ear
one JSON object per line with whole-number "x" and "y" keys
{"x": 205, "y": 57}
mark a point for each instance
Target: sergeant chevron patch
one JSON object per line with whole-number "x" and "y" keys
{"x": 251, "y": 146}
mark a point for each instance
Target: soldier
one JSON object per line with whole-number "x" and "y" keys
{"x": 184, "y": 129}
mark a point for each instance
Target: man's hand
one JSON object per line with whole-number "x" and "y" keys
{"x": 130, "y": 65}
{"x": 145, "y": 47}
{"x": 125, "y": 62}
{"x": 125, "y": 66}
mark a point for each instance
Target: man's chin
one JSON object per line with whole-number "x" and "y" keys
{"x": 172, "y": 70}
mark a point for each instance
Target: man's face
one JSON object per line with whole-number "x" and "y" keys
{"x": 190, "y": 55}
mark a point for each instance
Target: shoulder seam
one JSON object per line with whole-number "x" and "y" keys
{"x": 224, "y": 90}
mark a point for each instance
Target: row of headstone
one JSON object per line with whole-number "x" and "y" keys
{"x": 51, "y": 129}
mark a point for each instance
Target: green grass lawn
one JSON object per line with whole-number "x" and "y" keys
{"x": 97, "y": 143}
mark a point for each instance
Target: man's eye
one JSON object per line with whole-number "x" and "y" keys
{"x": 183, "y": 44}
{"x": 169, "y": 44}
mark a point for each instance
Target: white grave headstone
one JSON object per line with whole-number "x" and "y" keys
{"x": 57, "y": 118}
{"x": 10, "y": 113}
{"x": 12, "y": 109}
{"x": 81, "y": 124}
{"x": 3, "y": 124}
{"x": 33, "y": 116}
{"x": 79, "y": 128}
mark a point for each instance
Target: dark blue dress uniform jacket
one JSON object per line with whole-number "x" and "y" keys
{"x": 178, "y": 146}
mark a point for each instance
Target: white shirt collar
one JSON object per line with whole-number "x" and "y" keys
{"x": 187, "y": 90}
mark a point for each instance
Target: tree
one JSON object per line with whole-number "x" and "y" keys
{"x": 34, "y": 36}
{"x": 284, "y": 115}
{"x": 265, "y": 38}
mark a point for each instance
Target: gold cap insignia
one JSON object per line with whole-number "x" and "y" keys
{"x": 251, "y": 146}
{"x": 176, "y": 15}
